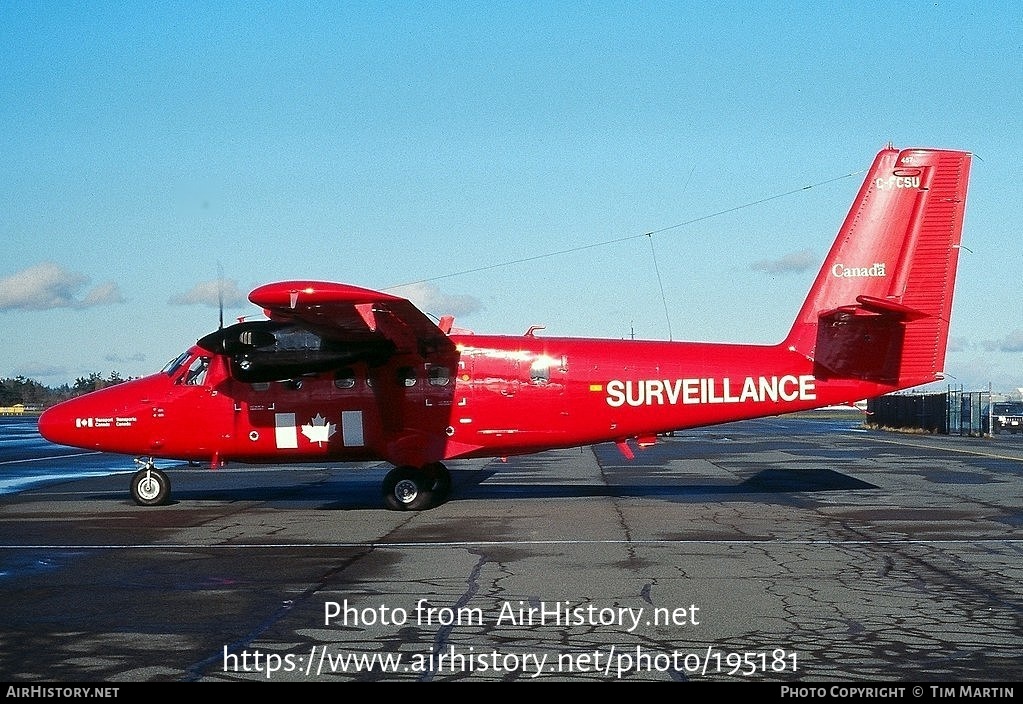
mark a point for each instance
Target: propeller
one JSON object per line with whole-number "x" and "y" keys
{"x": 220, "y": 293}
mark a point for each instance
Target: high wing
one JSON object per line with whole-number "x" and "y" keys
{"x": 353, "y": 314}
{"x": 387, "y": 331}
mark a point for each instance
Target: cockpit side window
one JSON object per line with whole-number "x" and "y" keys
{"x": 196, "y": 374}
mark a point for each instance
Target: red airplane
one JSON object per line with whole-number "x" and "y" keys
{"x": 341, "y": 373}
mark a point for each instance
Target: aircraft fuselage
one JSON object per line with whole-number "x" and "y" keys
{"x": 496, "y": 395}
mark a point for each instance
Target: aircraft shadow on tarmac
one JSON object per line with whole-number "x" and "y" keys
{"x": 765, "y": 482}
{"x": 360, "y": 489}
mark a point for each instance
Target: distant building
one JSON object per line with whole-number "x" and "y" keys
{"x": 15, "y": 410}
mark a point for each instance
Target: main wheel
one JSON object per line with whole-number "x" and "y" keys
{"x": 150, "y": 487}
{"x": 407, "y": 489}
{"x": 441, "y": 480}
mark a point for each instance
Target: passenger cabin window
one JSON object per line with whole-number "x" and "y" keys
{"x": 407, "y": 376}
{"x": 344, "y": 379}
{"x": 540, "y": 369}
{"x": 439, "y": 376}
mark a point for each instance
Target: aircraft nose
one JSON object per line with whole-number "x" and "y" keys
{"x": 57, "y": 424}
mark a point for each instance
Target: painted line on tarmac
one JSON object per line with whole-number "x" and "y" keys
{"x": 499, "y": 543}
{"x": 949, "y": 448}
{"x": 50, "y": 457}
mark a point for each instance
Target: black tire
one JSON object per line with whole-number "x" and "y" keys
{"x": 150, "y": 487}
{"x": 441, "y": 481}
{"x": 407, "y": 489}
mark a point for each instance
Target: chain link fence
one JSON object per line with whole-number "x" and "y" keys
{"x": 953, "y": 412}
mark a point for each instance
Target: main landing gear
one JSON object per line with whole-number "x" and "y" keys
{"x": 411, "y": 489}
{"x": 149, "y": 486}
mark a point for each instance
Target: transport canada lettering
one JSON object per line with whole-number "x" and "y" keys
{"x": 672, "y": 392}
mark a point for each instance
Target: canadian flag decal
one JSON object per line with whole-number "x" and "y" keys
{"x": 318, "y": 430}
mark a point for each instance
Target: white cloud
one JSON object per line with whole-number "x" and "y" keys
{"x": 102, "y": 295}
{"x": 121, "y": 359}
{"x": 790, "y": 263}
{"x": 958, "y": 344}
{"x": 207, "y": 293}
{"x": 46, "y": 286}
{"x": 1012, "y": 342}
{"x": 430, "y": 299}
{"x": 41, "y": 371}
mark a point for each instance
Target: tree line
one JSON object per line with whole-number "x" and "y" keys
{"x": 35, "y": 396}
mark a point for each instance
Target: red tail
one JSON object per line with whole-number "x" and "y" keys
{"x": 879, "y": 308}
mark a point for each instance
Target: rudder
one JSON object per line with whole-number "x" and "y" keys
{"x": 879, "y": 308}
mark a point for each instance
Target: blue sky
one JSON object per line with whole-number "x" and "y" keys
{"x": 148, "y": 149}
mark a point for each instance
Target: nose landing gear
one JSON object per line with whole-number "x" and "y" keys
{"x": 149, "y": 486}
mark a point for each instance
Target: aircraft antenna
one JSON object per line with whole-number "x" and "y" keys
{"x": 627, "y": 238}
{"x": 660, "y": 284}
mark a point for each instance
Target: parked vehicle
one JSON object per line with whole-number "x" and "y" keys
{"x": 1008, "y": 417}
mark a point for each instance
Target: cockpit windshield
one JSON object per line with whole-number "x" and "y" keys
{"x": 175, "y": 364}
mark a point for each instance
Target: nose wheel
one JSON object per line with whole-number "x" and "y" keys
{"x": 149, "y": 486}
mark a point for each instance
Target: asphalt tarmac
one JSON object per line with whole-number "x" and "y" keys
{"x": 779, "y": 550}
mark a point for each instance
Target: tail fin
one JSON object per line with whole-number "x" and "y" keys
{"x": 879, "y": 308}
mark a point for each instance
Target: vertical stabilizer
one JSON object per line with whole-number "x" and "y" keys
{"x": 879, "y": 308}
